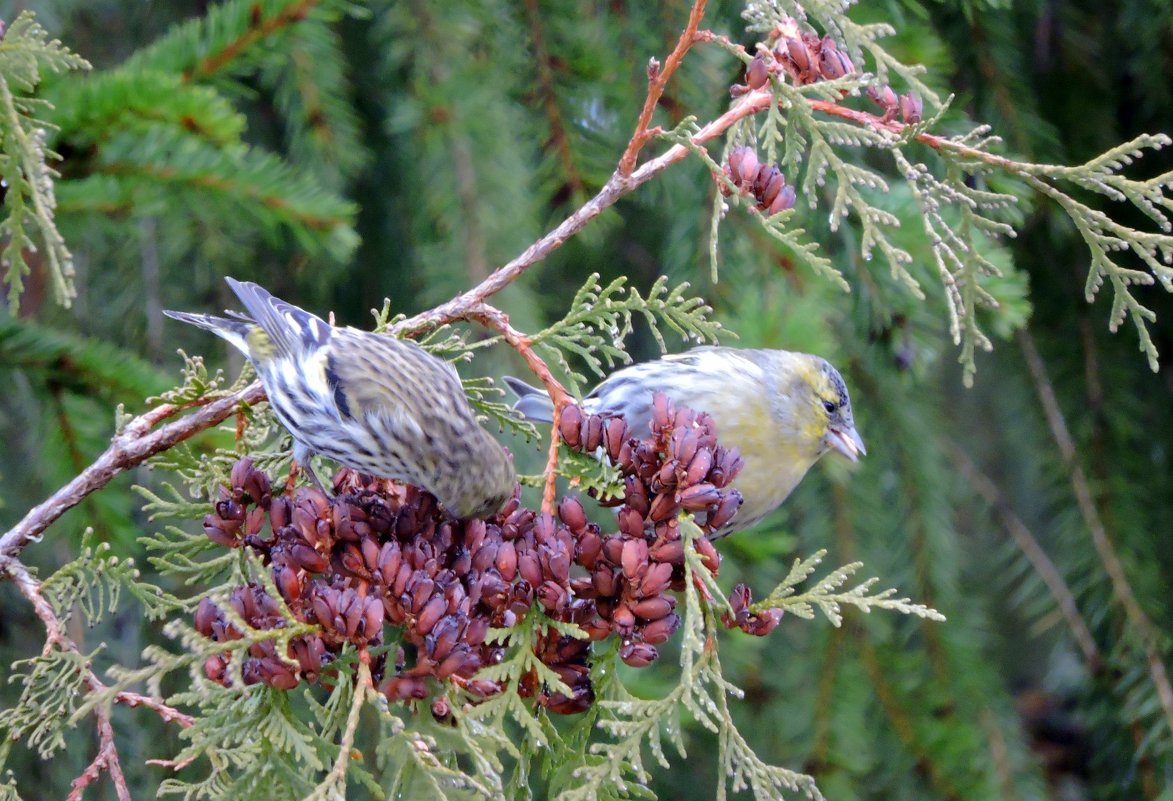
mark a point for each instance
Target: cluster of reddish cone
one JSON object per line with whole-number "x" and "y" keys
{"x": 379, "y": 554}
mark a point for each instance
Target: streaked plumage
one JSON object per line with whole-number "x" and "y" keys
{"x": 783, "y": 410}
{"x": 368, "y": 401}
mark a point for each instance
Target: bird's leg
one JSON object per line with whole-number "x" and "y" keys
{"x": 301, "y": 460}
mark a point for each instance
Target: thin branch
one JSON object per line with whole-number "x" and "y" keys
{"x": 134, "y": 445}
{"x": 658, "y": 77}
{"x": 1034, "y": 553}
{"x": 336, "y": 779}
{"x": 168, "y": 714}
{"x": 107, "y": 757}
{"x": 1121, "y": 589}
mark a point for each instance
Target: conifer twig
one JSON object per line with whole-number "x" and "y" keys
{"x": 1121, "y": 588}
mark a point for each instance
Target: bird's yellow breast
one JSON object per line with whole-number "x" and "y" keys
{"x": 776, "y": 458}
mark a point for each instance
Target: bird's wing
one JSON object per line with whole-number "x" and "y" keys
{"x": 380, "y": 375}
{"x": 409, "y": 401}
{"x": 292, "y": 330}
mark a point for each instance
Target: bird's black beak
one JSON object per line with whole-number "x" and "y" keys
{"x": 846, "y": 441}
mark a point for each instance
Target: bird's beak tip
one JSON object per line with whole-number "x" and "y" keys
{"x": 847, "y": 442}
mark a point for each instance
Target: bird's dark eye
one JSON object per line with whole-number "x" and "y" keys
{"x": 829, "y": 406}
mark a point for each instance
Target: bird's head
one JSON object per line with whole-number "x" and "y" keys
{"x": 815, "y": 405}
{"x": 830, "y": 410}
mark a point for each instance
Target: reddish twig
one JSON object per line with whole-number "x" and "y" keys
{"x": 658, "y": 77}
{"x": 107, "y": 757}
{"x": 168, "y": 714}
{"x": 497, "y": 320}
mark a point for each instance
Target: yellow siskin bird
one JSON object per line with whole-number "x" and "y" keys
{"x": 782, "y": 410}
{"x": 370, "y": 402}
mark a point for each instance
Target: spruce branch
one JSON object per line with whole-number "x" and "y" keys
{"x": 1033, "y": 550}
{"x": 29, "y": 202}
{"x": 230, "y": 33}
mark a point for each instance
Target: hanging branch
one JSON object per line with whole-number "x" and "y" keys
{"x": 1033, "y": 551}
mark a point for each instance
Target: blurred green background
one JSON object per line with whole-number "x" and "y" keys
{"x": 417, "y": 146}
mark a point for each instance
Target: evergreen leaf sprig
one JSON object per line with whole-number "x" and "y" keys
{"x": 483, "y": 394}
{"x": 600, "y": 318}
{"x": 598, "y": 477}
{"x": 1107, "y": 239}
{"x": 93, "y": 584}
{"x": 52, "y": 686}
{"x": 960, "y": 262}
{"x": 826, "y": 594}
{"x": 30, "y": 203}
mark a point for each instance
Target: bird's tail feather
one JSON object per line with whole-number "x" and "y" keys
{"x": 291, "y": 329}
{"x": 532, "y": 403}
{"x": 235, "y": 331}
